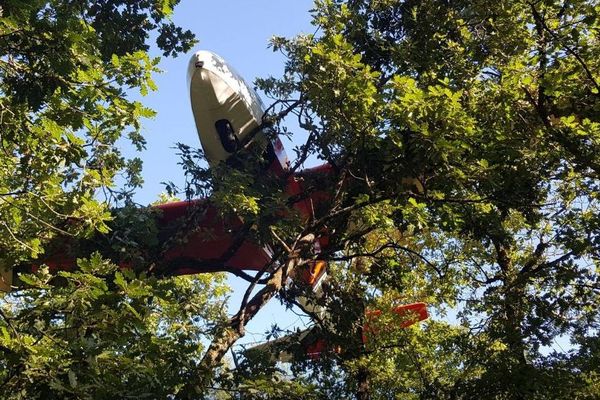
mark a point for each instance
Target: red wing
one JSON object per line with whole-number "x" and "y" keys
{"x": 211, "y": 243}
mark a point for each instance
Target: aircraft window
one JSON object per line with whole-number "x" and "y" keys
{"x": 227, "y": 135}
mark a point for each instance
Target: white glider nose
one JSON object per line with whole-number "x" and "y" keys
{"x": 225, "y": 108}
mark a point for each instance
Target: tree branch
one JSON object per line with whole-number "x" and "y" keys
{"x": 542, "y": 23}
{"x": 236, "y": 326}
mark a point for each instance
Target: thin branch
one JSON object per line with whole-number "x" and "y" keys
{"x": 268, "y": 121}
{"x": 258, "y": 281}
{"x": 236, "y": 326}
{"x": 540, "y": 20}
{"x": 15, "y": 193}
{"x": 280, "y": 241}
{"x": 535, "y": 258}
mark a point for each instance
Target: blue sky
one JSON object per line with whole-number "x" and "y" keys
{"x": 239, "y": 31}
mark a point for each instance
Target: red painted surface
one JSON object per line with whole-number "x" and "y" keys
{"x": 211, "y": 238}
{"x": 206, "y": 245}
{"x": 408, "y": 314}
{"x": 314, "y": 350}
{"x": 313, "y": 272}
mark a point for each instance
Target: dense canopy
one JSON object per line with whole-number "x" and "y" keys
{"x": 464, "y": 137}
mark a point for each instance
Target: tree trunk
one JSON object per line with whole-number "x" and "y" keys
{"x": 363, "y": 390}
{"x": 235, "y": 329}
{"x": 513, "y": 307}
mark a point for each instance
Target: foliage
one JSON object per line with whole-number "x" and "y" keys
{"x": 465, "y": 137}
{"x": 100, "y": 332}
{"x": 66, "y": 77}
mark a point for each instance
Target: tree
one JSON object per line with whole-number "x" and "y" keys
{"x": 67, "y": 75}
{"x": 493, "y": 108}
{"x": 103, "y": 333}
{"x": 463, "y": 140}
